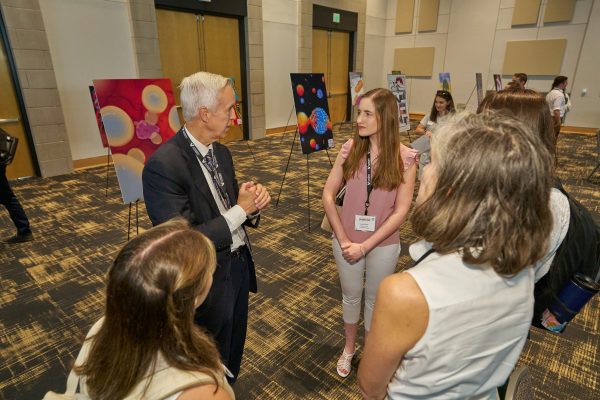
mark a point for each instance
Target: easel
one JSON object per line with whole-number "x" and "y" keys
{"x": 249, "y": 148}
{"x": 137, "y": 225}
{"x": 239, "y": 124}
{"x": 107, "y": 169}
{"x": 307, "y": 176}
{"x": 471, "y": 95}
{"x": 286, "y": 125}
{"x": 351, "y": 121}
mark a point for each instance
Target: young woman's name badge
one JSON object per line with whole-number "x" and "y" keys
{"x": 365, "y": 223}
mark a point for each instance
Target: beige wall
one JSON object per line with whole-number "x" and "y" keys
{"x": 586, "y": 107}
{"x": 88, "y": 40}
{"x": 471, "y": 37}
{"x": 280, "y": 37}
{"x": 287, "y": 28}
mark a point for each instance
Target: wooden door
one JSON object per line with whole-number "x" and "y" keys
{"x": 338, "y": 81}
{"x": 331, "y": 52}
{"x": 220, "y": 44}
{"x": 190, "y": 43}
{"x": 179, "y": 47}
{"x": 11, "y": 121}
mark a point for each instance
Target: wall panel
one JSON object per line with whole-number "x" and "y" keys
{"x": 559, "y": 10}
{"x": 536, "y": 57}
{"x": 526, "y": 12}
{"x": 428, "y": 15}
{"x": 416, "y": 61}
{"x": 405, "y": 10}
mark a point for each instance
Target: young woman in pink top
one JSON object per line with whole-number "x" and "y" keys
{"x": 379, "y": 173}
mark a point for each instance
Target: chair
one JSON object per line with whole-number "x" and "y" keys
{"x": 597, "y": 155}
{"x": 520, "y": 385}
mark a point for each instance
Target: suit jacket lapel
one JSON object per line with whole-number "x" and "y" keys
{"x": 196, "y": 172}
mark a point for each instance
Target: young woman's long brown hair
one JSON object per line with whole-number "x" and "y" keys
{"x": 150, "y": 300}
{"x": 529, "y": 107}
{"x": 388, "y": 173}
{"x": 491, "y": 198}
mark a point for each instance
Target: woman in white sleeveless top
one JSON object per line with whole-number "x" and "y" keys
{"x": 453, "y": 326}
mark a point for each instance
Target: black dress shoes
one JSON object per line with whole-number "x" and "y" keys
{"x": 19, "y": 238}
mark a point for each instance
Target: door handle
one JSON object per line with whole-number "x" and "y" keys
{"x": 8, "y": 120}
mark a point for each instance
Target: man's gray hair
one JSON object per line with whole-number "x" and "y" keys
{"x": 200, "y": 90}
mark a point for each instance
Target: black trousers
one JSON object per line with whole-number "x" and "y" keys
{"x": 10, "y": 201}
{"x": 224, "y": 313}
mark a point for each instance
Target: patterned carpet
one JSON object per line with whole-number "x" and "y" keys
{"x": 52, "y": 289}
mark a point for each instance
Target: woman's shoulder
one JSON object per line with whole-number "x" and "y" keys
{"x": 409, "y": 156}
{"x": 209, "y": 391}
{"x": 401, "y": 288}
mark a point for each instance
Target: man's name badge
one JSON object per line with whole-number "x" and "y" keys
{"x": 365, "y": 223}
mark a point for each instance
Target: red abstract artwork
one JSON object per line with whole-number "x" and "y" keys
{"x": 138, "y": 116}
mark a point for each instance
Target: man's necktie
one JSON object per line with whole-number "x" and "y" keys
{"x": 209, "y": 162}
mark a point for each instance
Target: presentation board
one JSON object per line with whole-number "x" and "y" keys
{"x": 138, "y": 116}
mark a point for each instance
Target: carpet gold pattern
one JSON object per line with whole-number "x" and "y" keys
{"x": 53, "y": 288}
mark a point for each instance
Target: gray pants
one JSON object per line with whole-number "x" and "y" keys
{"x": 379, "y": 263}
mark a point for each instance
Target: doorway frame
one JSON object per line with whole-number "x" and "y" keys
{"x": 14, "y": 77}
{"x": 234, "y": 9}
{"x": 323, "y": 19}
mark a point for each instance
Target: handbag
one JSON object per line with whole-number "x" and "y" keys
{"x": 8, "y": 147}
{"x": 339, "y": 202}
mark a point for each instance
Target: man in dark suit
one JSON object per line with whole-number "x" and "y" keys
{"x": 10, "y": 201}
{"x": 192, "y": 175}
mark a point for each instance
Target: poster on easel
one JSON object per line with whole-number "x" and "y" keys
{"x": 444, "y": 78}
{"x": 98, "y": 117}
{"x": 397, "y": 85}
{"x": 138, "y": 116}
{"x": 238, "y": 104}
{"x": 498, "y": 82}
{"x": 356, "y": 87}
{"x": 479, "y": 86}
{"x": 312, "y": 112}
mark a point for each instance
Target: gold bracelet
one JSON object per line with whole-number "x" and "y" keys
{"x": 362, "y": 251}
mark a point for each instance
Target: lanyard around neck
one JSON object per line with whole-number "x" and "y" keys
{"x": 213, "y": 170}
{"x": 369, "y": 182}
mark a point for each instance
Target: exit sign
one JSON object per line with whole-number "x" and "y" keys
{"x": 336, "y": 18}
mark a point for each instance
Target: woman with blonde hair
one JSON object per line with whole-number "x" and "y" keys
{"x": 147, "y": 345}
{"x": 454, "y": 325}
{"x": 379, "y": 173}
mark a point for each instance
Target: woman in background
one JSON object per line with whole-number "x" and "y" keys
{"x": 147, "y": 345}
{"x": 441, "y": 110}
{"x": 485, "y": 220}
{"x": 379, "y": 173}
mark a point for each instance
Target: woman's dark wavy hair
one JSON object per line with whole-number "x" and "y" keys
{"x": 446, "y": 95}
{"x": 558, "y": 80}
{"x": 491, "y": 198}
{"x": 150, "y": 301}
